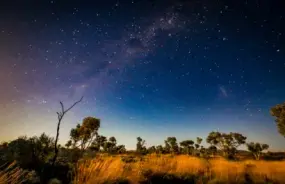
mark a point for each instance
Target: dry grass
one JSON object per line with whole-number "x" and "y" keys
{"x": 106, "y": 169}
{"x": 12, "y": 174}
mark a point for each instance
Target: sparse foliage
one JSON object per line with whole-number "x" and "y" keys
{"x": 98, "y": 143}
{"x": 171, "y": 145}
{"x": 187, "y": 147}
{"x": 199, "y": 140}
{"x": 197, "y": 145}
{"x": 84, "y": 135}
{"x": 228, "y": 143}
{"x": 140, "y": 145}
{"x": 151, "y": 149}
{"x": 278, "y": 112}
{"x": 212, "y": 150}
{"x": 159, "y": 149}
{"x": 110, "y": 145}
{"x": 121, "y": 149}
{"x": 256, "y": 149}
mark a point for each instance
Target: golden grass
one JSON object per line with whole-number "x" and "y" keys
{"x": 12, "y": 174}
{"x": 104, "y": 168}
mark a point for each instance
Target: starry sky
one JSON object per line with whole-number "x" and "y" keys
{"x": 146, "y": 68}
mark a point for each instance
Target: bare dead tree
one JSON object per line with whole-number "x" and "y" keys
{"x": 60, "y": 117}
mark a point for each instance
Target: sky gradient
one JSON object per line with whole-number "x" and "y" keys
{"x": 146, "y": 68}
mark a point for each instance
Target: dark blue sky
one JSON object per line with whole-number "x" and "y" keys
{"x": 146, "y": 68}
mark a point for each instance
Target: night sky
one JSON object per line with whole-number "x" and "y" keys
{"x": 146, "y": 68}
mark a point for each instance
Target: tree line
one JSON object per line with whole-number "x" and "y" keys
{"x": 41, "y": 154}
{"x": 85, "y": 136}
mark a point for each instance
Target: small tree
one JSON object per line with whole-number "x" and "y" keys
{"x": 100, "y": 140}
{"x": 98, "y": 143}
{"x": 121, "y": 149}
{"x": 227, "y": 143}
{"x": 84, "y": 135}
{"x": 256, "y": 149}
{"x": 187, "y": 146}
{"x": 203, "y": 152}
{"x": 151, "y": 149}
{"x": 197, "y": 145}
{"x": 212, "y": 150}
{"x": 140, "y": 145}
{"x": 199, "y": 140}
{"x": 111, "y": 145}
{"x": 167, "y": 147}
{"x": 171, "y": 143}
{"x": 159, "y": 149}
{"x": 279, "y": 113}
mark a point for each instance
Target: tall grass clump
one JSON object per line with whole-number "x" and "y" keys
{"x": 12, "y": 174}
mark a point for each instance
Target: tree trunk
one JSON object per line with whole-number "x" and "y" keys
{"x": 55, "y": 143}
{"x": 257, "y": 156}
{"x": 60, "y": 116}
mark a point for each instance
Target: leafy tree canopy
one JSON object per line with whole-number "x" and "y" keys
{"x": 227, "y": 142}
{"x": 278, "y": 112}
{"x": 256, "y": 149}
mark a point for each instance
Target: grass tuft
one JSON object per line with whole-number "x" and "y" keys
{"x": 12, "y": 174}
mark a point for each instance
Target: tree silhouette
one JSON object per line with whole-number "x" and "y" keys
{"x": 140, "y": 145}
{"x": 113, "y": 140}
{"x": 110, "y": 145}
{"x": 278, "y": 112}
{"x": 199, "y": 140}
{"x": 159, "y": 149}
{"x": 228, "y": 143}
{"x": 98, "y": 143}
{"x": 151, "y": 149}
{"x": 101, "y": 140}
{"x": 212, "y": 150}
{"x": 187, "y": 146}
{"x": 171, "y": 143}
{"x": 203, "y": 152}
{"x": 68, "y": 144}
{"x": 84, "y": 135}
{"x": 30, "y": 153}
{"x": 197, "y": 145}
{"x": 167, "y": 147}
{"x": 121, "y": 149}
{"x": 256, "y": 149}
{"x": 60, "y": 116}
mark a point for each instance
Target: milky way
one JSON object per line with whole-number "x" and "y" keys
{"x": 149, "y": 69}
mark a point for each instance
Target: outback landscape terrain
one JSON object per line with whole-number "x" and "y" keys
{"x": 142, "y": 92}
{"x": 89, "y": 157}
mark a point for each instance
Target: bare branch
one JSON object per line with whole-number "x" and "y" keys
{"x": 73, "y": 105}
{"x": 60, "y": 117}
{"x": 62, "y": 107}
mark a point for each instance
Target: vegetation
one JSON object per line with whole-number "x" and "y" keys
{"x": 60, "y": 116}
{"x": 279, "y": 113}
{"x": 89, "y": 157}
{"x": 227, "y": 143}
{"x": 256, "y": 149}
{"x": 178, "y": 169}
